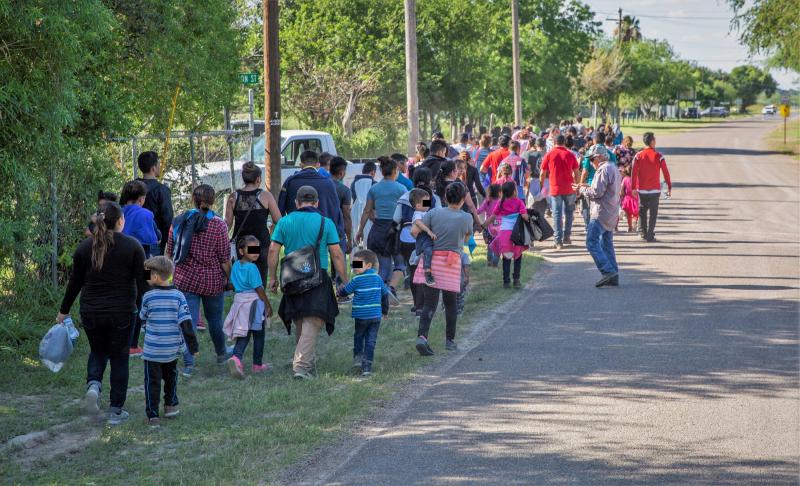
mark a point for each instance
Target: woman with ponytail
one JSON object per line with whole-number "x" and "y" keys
{"x": 108, "y": 273}
{"x": 198, "y": 244}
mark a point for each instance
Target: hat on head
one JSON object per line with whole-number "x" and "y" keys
{"x": 598, "y": 150}
{"x": 307, "y": 194}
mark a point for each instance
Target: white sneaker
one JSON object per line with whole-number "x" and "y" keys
{"x": 116, "y": 418}
{"x": 91, "y": 401}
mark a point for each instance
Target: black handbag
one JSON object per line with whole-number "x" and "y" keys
{"x": 301, "y": 269}
{"x": 542, "y": 228}
{"x": 522, "y": 234}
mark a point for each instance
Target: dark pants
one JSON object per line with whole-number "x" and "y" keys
{"x": 258, "y": 346}
{"x": 406, "y": 249}
{"x": 109, "y": 336}
{"x": 417, "y": 290}
{"x": 507, "y": 269}
{"x": 263, "y": 265}
{"x": 429, "y": 309}
{"x": 365, "y": 339}
{"x": 648, "y": 214}
{"x": 154, "y": 373}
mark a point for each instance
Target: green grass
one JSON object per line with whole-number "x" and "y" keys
{"x": 229, "y": 431}
{"x": 637, "y": 128}
{"x": 792, "y": 145}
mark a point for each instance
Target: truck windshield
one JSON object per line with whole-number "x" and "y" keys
{"x": 258, "y": 150}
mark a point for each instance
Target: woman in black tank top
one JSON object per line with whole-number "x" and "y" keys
{"x": 247, "y": 211}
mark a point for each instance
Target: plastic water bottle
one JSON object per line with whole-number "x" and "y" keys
{"x": 665, "y": 189}
{"x": 73, "y": 332}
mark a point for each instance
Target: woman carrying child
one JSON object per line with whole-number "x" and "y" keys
{"x": 250, "y": 311}
{"x": 510, "y": 208}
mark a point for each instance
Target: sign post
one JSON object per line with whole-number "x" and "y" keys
{"x": 784, "y": 110}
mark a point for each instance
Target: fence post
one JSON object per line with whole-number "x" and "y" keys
{"x": 134, "y": 155}
{"x": 191, "y": 151}
{"x": 229, "y": 139}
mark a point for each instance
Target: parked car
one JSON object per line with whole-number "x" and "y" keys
{"x": 691, "y": 112}
{"x": 716, "y": 111}
{"x": 293, "y": 143}
{"x": 769, "y": 110}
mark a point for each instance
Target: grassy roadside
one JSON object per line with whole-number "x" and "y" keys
{"x": 229, "y": 431}
{"x": 792, "y": 145}
{"x": 637, "y": 128}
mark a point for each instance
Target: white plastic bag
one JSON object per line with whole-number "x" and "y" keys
{"x": 57, "y": 345}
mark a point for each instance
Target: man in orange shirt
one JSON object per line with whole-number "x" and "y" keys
{"x": 561, "y": 166}
{"x": 493, "y": 160}
{"x": 648, "y": 165}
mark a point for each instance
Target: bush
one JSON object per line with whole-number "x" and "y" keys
{"x": 369, "y": 143}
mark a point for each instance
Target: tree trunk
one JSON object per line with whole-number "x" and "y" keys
{"x": 347, "y": 117}
{"x": 452, "y": 126}
{"x": 424, "y": 132}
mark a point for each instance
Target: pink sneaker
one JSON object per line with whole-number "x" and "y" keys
{"x": 235, "y": 367}
{"x": 260, "y": 368}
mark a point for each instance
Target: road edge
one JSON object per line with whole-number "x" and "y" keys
{"x": 326, "y": 461}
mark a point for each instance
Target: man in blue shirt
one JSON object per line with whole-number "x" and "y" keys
{"x": 402, "y": 165}
{"x": 328, "y": 200}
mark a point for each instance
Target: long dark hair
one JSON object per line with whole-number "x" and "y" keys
{"x": 445, "y": 169}
{"x": 509, "y": 190}
{"x": 103, "y": 235}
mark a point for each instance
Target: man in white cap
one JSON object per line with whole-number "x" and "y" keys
{"x": 603, "y": 195}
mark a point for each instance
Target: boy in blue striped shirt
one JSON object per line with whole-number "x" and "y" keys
{"x": 367, "y": 288}
{"x": 167, "y": 329}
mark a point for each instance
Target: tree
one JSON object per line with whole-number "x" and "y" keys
{"x": 771, "y": 27}
{"x": 750, "y": 81}
{"x": 631, "y": 32}
{"x": 656, "y": 74}
{"x": 604, "y": 75}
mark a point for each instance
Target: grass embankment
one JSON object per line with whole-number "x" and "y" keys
{"x": 229, "y": 431}
{"x": 637, "y": 128}
{"x": 792, "y": 145}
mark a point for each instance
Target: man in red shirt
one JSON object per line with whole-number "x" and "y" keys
{"x": 493, "y": 160}
{"x": 648, "y": 165}
{"x": 561, "y": 166}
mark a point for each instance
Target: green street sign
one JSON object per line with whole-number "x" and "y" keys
{"x": 248, "y": 78}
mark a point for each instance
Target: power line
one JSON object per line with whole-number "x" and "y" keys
{"x": 668, "y": 17}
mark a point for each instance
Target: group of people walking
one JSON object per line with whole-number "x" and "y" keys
{"x": 412, "y": 227}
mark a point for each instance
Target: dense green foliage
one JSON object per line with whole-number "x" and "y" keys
{"x": 770, "y": 27}
{"x": 75, "y": 72}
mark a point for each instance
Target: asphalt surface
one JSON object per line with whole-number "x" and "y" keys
{"x": 686, "y": 374}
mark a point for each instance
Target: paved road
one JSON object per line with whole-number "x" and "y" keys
{"x": 687, "y": 374}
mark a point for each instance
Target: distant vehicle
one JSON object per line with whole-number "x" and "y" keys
{"x": 769, "y": 110}
{"x": 716, "y": 111}
{"x": 293, "y": 143}
{"x": 691, "y": 112}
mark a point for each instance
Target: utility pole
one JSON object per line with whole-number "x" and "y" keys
{"x": 272, "y": 99}
{"x": 619, "y": 46}
{"x": 515, "y": 62}
{"x": 412, "y": 101}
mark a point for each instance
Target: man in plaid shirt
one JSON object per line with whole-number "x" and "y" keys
{"x": 201, "y": 275}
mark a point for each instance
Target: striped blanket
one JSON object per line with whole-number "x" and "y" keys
{"x": 446, "y": 269}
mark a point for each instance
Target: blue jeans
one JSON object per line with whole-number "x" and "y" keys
{"x": 365, "y": 338}
{"x": 563, "y": 205}
{"x": 600, "y": 243}
{"x": 213, "y": 305}
{"x": 390, "y": 264}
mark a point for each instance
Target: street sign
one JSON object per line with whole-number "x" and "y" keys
{"x": 248, "y": 79}
{"x": 784, "y": 110}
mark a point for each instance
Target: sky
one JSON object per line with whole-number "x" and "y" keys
{"x": 698, "y": 30}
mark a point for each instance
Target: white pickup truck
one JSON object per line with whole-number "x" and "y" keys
{"x": 293, "y": 143}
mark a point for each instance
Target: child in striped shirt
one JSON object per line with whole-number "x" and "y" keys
{"x": 367, "y": 288}
{"x": 167, "y": 329}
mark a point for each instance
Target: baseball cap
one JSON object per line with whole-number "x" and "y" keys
{"x": 598, "y": 150}
{"x": 307, "y": 194}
